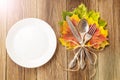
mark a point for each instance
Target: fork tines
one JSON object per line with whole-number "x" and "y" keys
{"x": 92, "y": 29}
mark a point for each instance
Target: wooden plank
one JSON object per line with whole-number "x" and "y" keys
{"x": 73, "y": 75}
{"x": 116, "y": 27}
{"x": 2, "y": 43}
{"x": 51, "y": 12}
{"x": 29, "y": 8}
{"x": 14, "y": 13}
{"x": 106, "y": 62}
{"x": 94, "y": 6}
{"x": 30, "y": 74}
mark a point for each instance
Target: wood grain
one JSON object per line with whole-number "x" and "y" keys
{"x": 106, "y": 68}
{"x": 14, "y": 72}
{"x": 116, "y": 37}
{"x": 51, "y": 12}
{"x": 108, "y": 64}
{"x": 2, "y": 45}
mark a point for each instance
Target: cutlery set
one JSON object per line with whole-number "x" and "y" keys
{"x": 83, "y": 33}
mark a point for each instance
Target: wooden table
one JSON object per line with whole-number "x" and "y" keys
{"x": 108, "y": 65}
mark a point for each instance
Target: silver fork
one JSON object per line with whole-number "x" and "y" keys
{"x": 88, "y": 36}
{"x": 90, "y": 33}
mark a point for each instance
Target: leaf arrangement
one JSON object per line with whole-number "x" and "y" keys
{"x": 100, "y": 38}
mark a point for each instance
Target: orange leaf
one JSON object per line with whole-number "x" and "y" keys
{"x": 97, "y": 39}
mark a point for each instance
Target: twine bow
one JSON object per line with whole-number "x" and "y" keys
{"x": 84, "y": 54}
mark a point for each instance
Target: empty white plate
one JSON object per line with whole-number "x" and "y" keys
{"x": 31, "y": 42}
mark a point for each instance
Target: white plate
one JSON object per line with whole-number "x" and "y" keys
{"x": 31, "y": 42}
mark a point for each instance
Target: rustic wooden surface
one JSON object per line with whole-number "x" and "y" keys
{"x": 108, "y": 64}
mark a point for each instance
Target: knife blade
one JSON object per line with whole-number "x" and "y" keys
{"x": 73, "y": 29}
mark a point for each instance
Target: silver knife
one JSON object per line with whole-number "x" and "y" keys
{"x": 73, "y": 29}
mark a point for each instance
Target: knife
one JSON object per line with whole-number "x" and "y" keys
{"x": 73, "y": 29}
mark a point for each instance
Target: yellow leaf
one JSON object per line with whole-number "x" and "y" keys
{"x": 103, "y": 44}
{"x": 62, "y": 41}
{"x": 64, "y": 28}
{"x": 66, "y": 43}
{"x": 91, "y": 21}
{"x": 75, "y": 17}
{"x": 103, "y": 31}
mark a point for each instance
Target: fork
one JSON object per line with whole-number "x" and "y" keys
{"x": 88, "y": 36}
{"x": 90, "y": 33}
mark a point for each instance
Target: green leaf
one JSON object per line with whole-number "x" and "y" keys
{"x": 102, "y": 23}
{"x": 94, "y": 15}
{"x": 60, "y": 23}
{"x": 66, "y": 13}
{"x": 80, "y": 11}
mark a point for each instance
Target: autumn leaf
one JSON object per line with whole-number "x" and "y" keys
{"x": 99, "y": 39}
{"x": 102, "y": 23}
{"x": 67, "y": 39}
{"x": 81, "y": 11}
{"x": 103, "y": 31}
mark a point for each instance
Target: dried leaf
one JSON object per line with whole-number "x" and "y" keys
{"x": 99, "y": 38}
